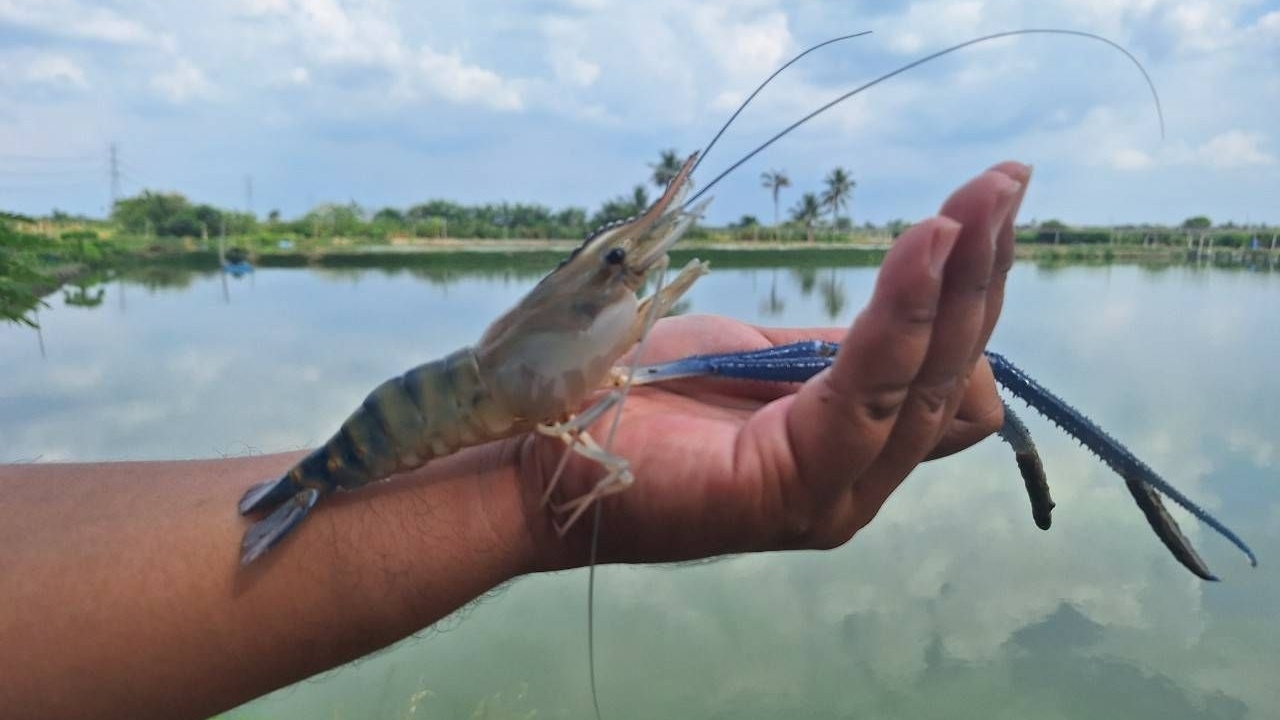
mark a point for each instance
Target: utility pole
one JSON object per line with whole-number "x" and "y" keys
{"x": 248, "y": 194}
{"x": 114, "y": 165}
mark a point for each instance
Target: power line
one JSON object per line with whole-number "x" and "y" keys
{"x": 115, "y": 175}
{"x": 23, "y": 157}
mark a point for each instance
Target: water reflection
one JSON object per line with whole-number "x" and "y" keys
{"x": 950, "y": 604}
{"x": 81, "y": 295}
{"x": 833, "y": 297}
{"x": 774, "y": 305}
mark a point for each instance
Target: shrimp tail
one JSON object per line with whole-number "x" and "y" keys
{"x": 265, "y": 533}
{"x": 267, "y": 495}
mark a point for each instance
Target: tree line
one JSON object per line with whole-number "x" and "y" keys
{"x": 836, "y": 195}
{"x": 172, "y": 215}
{"x": 152, "y": 215}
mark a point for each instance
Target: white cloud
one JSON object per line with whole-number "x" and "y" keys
{"x": 1130, "y": 159}
{"x": 750, "y": 47}
{"x": 1202, "y": 26}
{"x": 936, "y": 22}
{"x": 182, "y": 83}
{"x": 351, "y": 36}
{"x": 448, "y": 76}
{"x": 260, "y": 8}
{"x": 1236, "y": 148}
{"x": 296, "y": 76}
{"x": 572, "y": 68}
{"x": 331, "y": 32}
{"x": 66, "y": 18}
{"x": 43, "y": 69}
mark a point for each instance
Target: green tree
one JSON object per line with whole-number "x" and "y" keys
{"x": 1199, "y": 222}
{"x": 19, "y": 277}
{"x": 807, "y": 212}
{"x": 839, "y": 188}
{"x": 612, "y": 211}
{"x": 774, "y": 181}
{"x": 160, "y": 212}
{"x": 666, "y": 169}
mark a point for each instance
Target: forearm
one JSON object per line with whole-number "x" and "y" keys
{"x": 121, "y": 593}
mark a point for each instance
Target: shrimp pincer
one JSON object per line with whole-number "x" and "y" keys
{"x": 533, "y": 368}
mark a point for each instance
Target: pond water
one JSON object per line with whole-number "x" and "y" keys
{"x": 951, "y": 604}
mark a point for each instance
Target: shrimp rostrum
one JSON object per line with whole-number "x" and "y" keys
{"x": 532, "y": 369}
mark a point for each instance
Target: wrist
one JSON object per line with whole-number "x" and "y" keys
{"x": 454, "y": 529}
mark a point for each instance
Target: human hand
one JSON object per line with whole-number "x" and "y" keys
{"x": 727, "y": 466}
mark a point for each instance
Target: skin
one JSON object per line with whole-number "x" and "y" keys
{"x": 120, "y": 592}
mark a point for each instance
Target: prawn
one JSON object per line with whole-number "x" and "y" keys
{"x": 531, "y": 369}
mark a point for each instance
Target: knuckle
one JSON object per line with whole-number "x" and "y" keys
{"x": 797, "y": 517}
{"x": 879, "y": 404}
{"x": 933, "y": 397}
{"x": 862, "y": 406}
{"x": 918, "y": 315}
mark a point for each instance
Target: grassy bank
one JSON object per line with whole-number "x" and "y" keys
{"x": 79, "y": 255}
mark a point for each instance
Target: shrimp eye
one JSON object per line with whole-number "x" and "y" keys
{"x": 615, "y": 256}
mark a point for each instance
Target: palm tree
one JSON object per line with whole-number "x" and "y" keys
{"x": 839, "y": 187}
{"x": 640, "y": 198}
{"x": 775, "y": 180}
{"x": 666, "y": 169}
{"x": 807, "y": 212}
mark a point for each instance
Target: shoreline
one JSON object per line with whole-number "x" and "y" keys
{"x": 534, "y": 258}
{"x": 730, "y": 253}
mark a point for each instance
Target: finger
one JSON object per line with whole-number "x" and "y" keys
{"x": 936, "y": 391}
{"x": 980, "y": 414}
{"x": 1004, "y": 251}
{"x": 838, "y": 422}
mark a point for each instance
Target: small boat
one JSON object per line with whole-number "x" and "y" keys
{"x": 235, "y": 262}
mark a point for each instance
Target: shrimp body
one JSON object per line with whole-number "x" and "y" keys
{"x": 534, "y": 366}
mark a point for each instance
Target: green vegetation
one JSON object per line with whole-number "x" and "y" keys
{"x": 39, "y": 254}
{"x": 1193, "y": 235}
{"x": 806, "y": 213}
{"x": 19, "y": 278}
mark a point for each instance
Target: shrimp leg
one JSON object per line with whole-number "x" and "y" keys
{"x": 573, "y": 432}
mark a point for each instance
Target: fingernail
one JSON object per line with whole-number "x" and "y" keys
{"x": 945, "y": 233}
{"x": 1006, "y": 199}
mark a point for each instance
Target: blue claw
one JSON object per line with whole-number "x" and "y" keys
{"x": 800, "y": 361}
{"x": 796, "y": 362}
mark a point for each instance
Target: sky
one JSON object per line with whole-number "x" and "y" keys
{"x": 285, "y": 104}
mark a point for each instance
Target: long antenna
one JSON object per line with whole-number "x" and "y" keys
{"x": 994, "y": 36}
{"x": 760, "y": 87}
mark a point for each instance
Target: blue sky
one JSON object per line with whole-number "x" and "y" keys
{"x": 564, "y": 102}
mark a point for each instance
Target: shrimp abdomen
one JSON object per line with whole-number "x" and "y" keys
{"x": 432, "y": 410}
